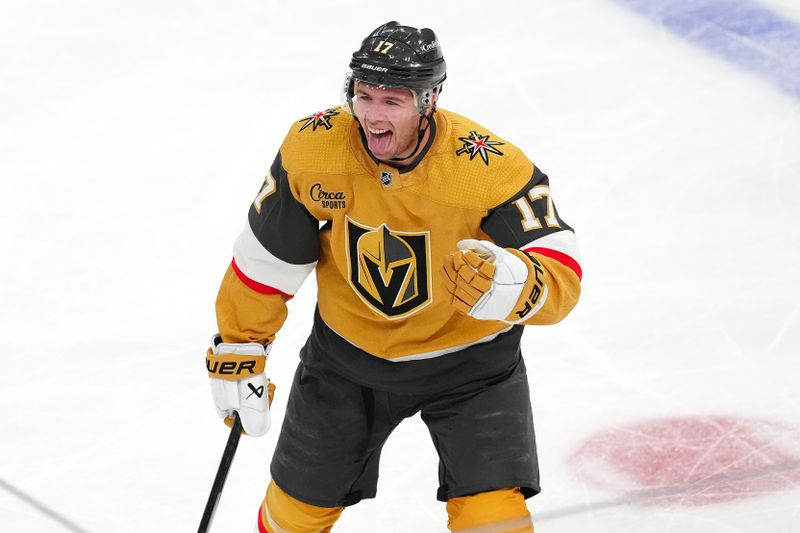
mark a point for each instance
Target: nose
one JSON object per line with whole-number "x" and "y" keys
{"x": 375, "y": 113}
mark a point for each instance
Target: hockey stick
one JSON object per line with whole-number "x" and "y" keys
{"x": 222, "y": 474}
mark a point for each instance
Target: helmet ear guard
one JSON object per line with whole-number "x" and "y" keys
{"x": 348, "y": 92}
{"x": 428, "y": 98}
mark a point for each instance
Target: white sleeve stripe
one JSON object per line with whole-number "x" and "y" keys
{"x": 561, "y": 241}
{"x": 258, "y": 264}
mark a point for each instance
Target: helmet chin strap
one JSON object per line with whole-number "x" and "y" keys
{"x": 420, "y": 135}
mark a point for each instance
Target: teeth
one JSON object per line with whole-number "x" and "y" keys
{"x": 376, "y": 132}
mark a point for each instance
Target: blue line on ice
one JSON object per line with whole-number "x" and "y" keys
{"x": 741, "y": 31}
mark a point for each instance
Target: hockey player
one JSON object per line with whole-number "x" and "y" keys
{"x": 434, "y": 242}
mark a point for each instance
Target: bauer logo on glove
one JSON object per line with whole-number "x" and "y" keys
{"x": 238, "y": 383}
{"x": 230, "y": 366}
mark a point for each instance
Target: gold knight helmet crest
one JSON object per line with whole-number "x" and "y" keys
{"x": 389, "y": 270}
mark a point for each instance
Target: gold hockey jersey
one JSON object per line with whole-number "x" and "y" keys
{"x": 376, "y": 236}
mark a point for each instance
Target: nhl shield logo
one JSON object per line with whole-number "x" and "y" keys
{"x": 389, "y": 270}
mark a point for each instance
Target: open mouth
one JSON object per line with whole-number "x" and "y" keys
{"x": 378, "y": 140}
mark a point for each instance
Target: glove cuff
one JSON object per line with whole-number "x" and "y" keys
{"x": 235, "y": 361}
{"x": 534, "y": 292}
{"x": 233, "y": 367}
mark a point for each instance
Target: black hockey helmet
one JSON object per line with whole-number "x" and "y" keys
{"x": 399, "y": 57}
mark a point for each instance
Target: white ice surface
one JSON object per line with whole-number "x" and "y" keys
{"x": 133, "y": 136}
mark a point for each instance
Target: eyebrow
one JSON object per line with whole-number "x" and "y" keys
{"x": 394, "y": 97}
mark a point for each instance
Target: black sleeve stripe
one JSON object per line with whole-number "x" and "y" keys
{"x": 504, "y": 224}
{"x": 284, "y": 227}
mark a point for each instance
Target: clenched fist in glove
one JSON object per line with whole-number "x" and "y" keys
{"x": 238, "y": 383}
{"x": 487, "y": 282}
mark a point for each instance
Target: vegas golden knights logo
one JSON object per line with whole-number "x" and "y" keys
{"x": 389, "y": 270}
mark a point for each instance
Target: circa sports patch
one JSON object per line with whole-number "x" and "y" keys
{"x": 327, "y": 198}
{"x": 388, "y": 269}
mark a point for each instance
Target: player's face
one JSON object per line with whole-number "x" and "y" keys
{"x": 390, "y": 120}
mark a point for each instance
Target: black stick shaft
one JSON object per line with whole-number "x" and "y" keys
{"x": 222, "y": 474}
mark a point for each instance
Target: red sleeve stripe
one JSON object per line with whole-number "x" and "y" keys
{"x": 561, "y": 257}
{"x": 256, "y": 286}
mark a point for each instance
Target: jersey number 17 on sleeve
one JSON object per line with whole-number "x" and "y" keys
{"x": 268, "y": 188}
{"x": 529, "y": 220}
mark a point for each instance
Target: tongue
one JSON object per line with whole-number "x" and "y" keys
{"x": 379, "y": 143}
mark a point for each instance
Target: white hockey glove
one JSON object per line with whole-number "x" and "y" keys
{"x": 491, "y": 283}
{"x": 238, "y": 383}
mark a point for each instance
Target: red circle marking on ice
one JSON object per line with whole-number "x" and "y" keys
{"x": 692, "y": 461}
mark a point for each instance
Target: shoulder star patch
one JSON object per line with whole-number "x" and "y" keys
{"x": 477, "y": 144}
{"x": 318, "y": 119}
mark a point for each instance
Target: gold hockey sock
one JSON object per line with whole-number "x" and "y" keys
{"x": 497, "y": 511}
{"x": 280, "y": 513}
